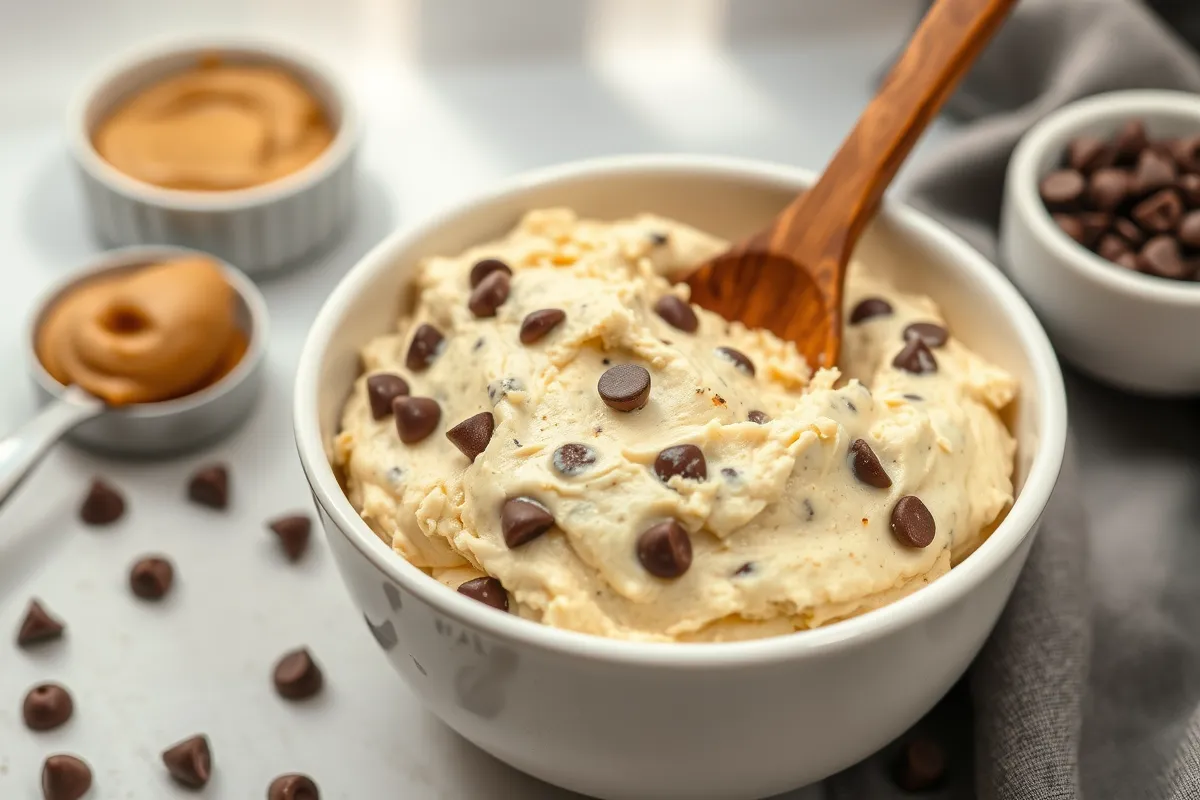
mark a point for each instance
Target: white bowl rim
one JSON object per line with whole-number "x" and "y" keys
{"x": 1022, "y": 173}
{"x": 939, "y": 595}
{"x": 79, "y": 139}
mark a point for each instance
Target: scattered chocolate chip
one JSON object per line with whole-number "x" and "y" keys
{"x": 47, "y": 706}
{"x": 866, "y": 465}
{"x": 758, "y": 417}
{"x": 478, "y": 345}
{"x": 1086, "y": 153}
{"x": 538, "y": 323}
{"x": 1108, "y": 188}
{"x": 850, "y": 405}
{"x": 1070, "y": 225}
{"x": 625, "y": 387}
{"x": 573, "y": 459}
{"x": 921, "y": 765}
{"x": 1160, "y": 256}
{"x": 1130, "y": 140}
{"x": 1130, "y": 232}
{"x": 297, "y": 676}
{"x": 189, "y": 762}
{"x": 293, "y": 787}
{"x": 1154, "y": 171}
{"x": 1187, "y": 153}
{"x": 916, "y": 398}
{"x": 912, "y": 523}
{"x": 868, "y": 308}
{"x": 150, "y": 578}
{"x": 523, "y": 519}
{"x": 1189, "y": 187}
{"x": 1160, "y": 212}
{"x": 657, "y": 238}
{"x": 730, "y": 474}
{"x": 490, "y": 294}
{"x": 65, "y": 777}
{"x": 1127, "y": 260}
{"x": 499, "y": 389}
{"x": 1061, "y": 189}
{"x": 103, "y": 504}
{"x": 1189, "y": 229}
{"x": 382, "y": 389}
{"x": 932, "y": 334}
{"x": 416, "y": 417}
{"x": 488, "y": 591}
{"x": 292, "y": 531}
{"x": 1094, "y": 225}
{"x": 1112, "y": 247}
{"x": 665, "y": 549}
{"x": 209, "y": 486}
{"x": 809, "y": 511}
{"x": 38, "y": 626}
{"x": 915, "y": 357}
{"x": 738, "y": 359}
{"x": 683, "y": 460}
{"x": 677, "y": 313}
{"x": 744, "y": 569}
{"x": 471, "y": 436}
{"x": 486, "y": 267}
{"x": 426, "y": 346}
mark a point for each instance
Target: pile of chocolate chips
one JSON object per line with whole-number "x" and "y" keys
{"x": 1131, "y": 200}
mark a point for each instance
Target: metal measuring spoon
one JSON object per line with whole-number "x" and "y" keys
{"x": 145, "y": 429}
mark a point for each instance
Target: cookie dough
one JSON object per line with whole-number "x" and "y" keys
{"x": 741, "y": 496}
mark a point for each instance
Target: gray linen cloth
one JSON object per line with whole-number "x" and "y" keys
{"x": 1089, "y": 687}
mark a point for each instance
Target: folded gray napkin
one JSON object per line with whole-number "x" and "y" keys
{"x": 1090, "y": 684}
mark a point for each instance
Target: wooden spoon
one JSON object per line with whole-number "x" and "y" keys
{"x": 789, "y": 277}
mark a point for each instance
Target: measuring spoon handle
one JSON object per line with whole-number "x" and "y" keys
{"x": 21, "y": 451}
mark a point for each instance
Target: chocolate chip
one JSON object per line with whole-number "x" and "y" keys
{"x": 809, "y": 511}
{"x": 209, "y": 486}
{"x": 1189, "y": 187}
{"x": 916, "y": 398}
{"x": 523, "y": 519}
{"x": 1130, "y": 140}
{"x": 297, "y": 676}
{"x": 625, "y": 387}
{"x": 47, "y": 706}
{"x": 932, "y": 334}
{"x": 1112, "y": 247}
{"x": 1061, "y": 189}
{"x": 1108, "y": 188}
{"x": 738, "y": 358}
{"x": 1160, "y": 212}
{"x": 915, "y": 357}
{"x": 665, "y": 549}
{"x": 868, "y": 308}
{"x": 38, "y": 626}
{"x": 866, "y": 465}
{"x": 416, "y": 417}
{"x": 382, "y": 389}
{"x": 758, "y": 417}
{"x": 486, "y": 267}
{"x": 1160, "y": 256}
{"x": 292, "y": 531}
{"x": 677, "y": 313}
{"x": 426, "y": 346}
{"x": 1070, "y": 225}
{"x": 1127, "y": 230}
{"x": 1127, "y": 260}
{"x": 293, "y": 787}
{"x": 912, "y": 523}
{"x": 488, "y": 591}
{"x": 65, "y": 777}
{"x": 103, "y": 504}
{"x": 1086, "y": 153}
{"x": 1189, "y": 229}
{"x": 573, "y": 459}
{"x": 921, "y": 765}
{"x": 189, "y": 762}
{"x": 744, "y": 569}
{"x": 1187, "y": 153}
{"x": 1154, "y": 171}
{"x": 730, "y": 474}
{"x": 499, "y": 389}
{"x": 490, "y": 294}
{"x": 1094, "y": 225}
{"x": 683, "y": 460}
{"x": 151, "y": 578}
{"x": 471, "y": 436}
{"x": 657, "y": 238}
{"x": 538, "y": 323}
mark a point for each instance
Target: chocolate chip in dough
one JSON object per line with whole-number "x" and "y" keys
{"x": 488, "y": 591}
{"x": 1161, "y": 256}
{"x": 677, "y": 313}
{"x": 471, "y": 436}
{"x": 38, "y": 626}
{"x": 658, "y": 238}
{"x": 869, "y": 308}
{"x": 297, "y": 676}
{"x": 573, "y": 459}
{"x": 1189, "y": 230}
{"x": 103, "y": 504}
{"x": 866, "y": 465}
{"x": 1154, "y": 171}
{"x": 915, "y": 357}
{"x": 1129, "y": 231}
{"x": 625, "y": 387}
{"x": 486, "y": 267}
{"x": 539, "y": 323}
{"x": 46, "y": 707}
{"x": 683, "y": 460}
{"x": 293, "y": 787}
{"x": 1189, "y": 188}
{"x": 1160, "y": 212}
{"x": 912, "y": 523}
{"x": 209, "y": 486}
{"x": 665, "y": 549}
{"x": 1108, "y": 188}
{"x": 1070, "y": 224}
{"x": 293, "y": 532}
{"x": 1086, "y": 153}
{"x": 523, "y": 519}
{"x": 1061, "y": 189}
{"x": 932, "y": 334}
{"x": 1130, "y": 140}
{"x": 65, "y": 777}
{"x": 744, "y": 569}
{"x": 151, "y": 578}
{"x": 1187, "y": 153}
{"x": 490, "y": 294}
{"x": 426, "y": 346}
{"x": 382, "y": 389}
{"x": 921, "y": 765}
{"x": 189, "y": 762}
{"x": 738, "y": 359}
{"x": 758, "y": 417}
{"x": 416, "y": 417}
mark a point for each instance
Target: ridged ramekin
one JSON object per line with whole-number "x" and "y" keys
{"x": 261, "y": 229}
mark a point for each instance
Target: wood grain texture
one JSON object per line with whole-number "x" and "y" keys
{"x": 789, "y": 278}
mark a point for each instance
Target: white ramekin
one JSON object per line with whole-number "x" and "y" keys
{"x": 260, "y": 229}
{"x": 1131, "y": 330}
{"x": 621, "y": 719}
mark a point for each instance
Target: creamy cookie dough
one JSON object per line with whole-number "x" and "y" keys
{"x": 554, "y": 430}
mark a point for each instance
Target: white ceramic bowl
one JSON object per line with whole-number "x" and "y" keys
{"x": 262, "y": 228}
{"x": 1131, "y": 330}
{"x": 621, "y": 719}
